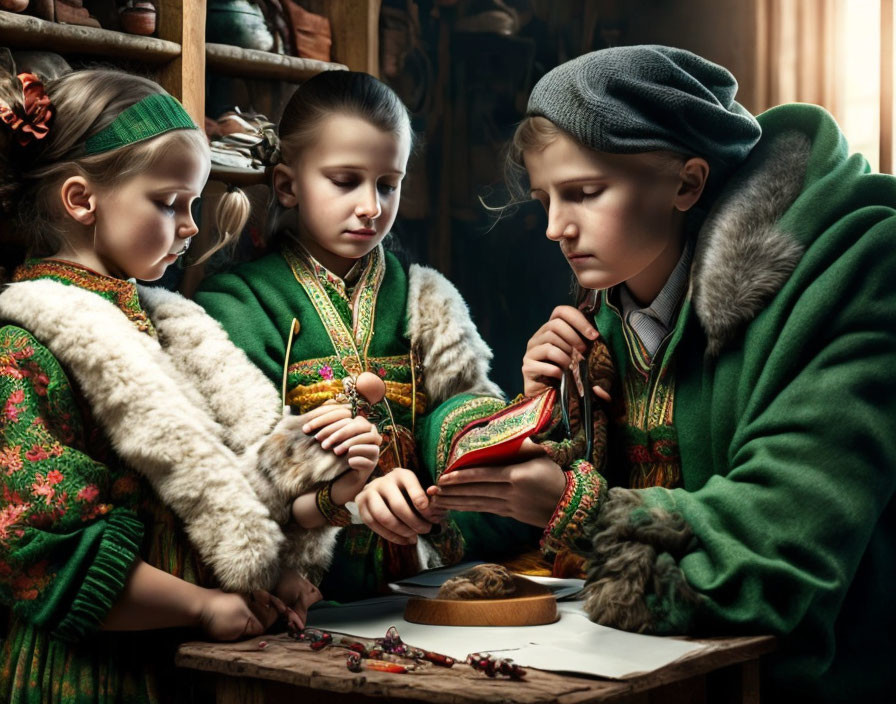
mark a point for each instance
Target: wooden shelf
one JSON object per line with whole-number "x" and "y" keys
{"x": 24, "y": 31}
{"x": 238, "y": 177}
{"x": 252, "y": 63}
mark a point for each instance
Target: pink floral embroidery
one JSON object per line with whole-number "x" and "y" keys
{"x": 25, "y": 353}
{"x": 42, "y": 487}
{"x": 54, "y": 476}
{"x": 88, "y": 493}
{"x": 12, "y": 408}
{"x": 382, "y": 372}
{"x": 10, "y": 496}
{"x": 39, "y": 380}
{"x": 9, "y": 368}
{"x": 11, "y": 459}
{"x": 9, "y": 519}
{"x": 326, "y": 372}
{"x": 36, "y": 454}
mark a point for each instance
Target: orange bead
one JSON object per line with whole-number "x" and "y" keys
{"x": 371, "y": 387}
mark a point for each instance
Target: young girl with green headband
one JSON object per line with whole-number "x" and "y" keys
{"x": 147, "y": 469}
{"x": 740, "y": 272}
{"x": 332, "y": 313}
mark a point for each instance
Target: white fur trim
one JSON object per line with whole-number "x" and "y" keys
{"x": 239, "y": 395}
{"x": 281, "y": 463}
{"x": 311, "y": 550}
{"x": 160, "y": 423}
{"x": 294, "y": 462}
{"x": 743, "y": 258}
{"x": 455, "y": 357}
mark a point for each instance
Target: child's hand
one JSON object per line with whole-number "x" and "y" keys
{"x": 320, "y": 417}
{"x": 527, "y": 490}
{"x": 396, "y": 507}
{"x": 333, "y": 427}
{"x": 549, "y": 351}
{"x": 357, "y": 439}
{"x": 298, "y": 594}
{"x": 229, "y": 616}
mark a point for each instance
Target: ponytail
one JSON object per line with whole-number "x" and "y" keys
{"x": 231, "y": 215}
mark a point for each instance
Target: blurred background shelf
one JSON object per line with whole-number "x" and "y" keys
{"x": 252, "y": 63}
{"x": 28, "y": 32}
{"x": 181, "y": 60}
{"x": 237, "y": 176}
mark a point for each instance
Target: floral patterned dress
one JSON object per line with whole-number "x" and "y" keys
{"x": 73, "y": 520}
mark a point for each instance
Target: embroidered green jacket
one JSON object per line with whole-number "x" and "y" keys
{"x": 780, "y": 371}
{"x": 73, "y": 520}
{"x": 419, "y": 309}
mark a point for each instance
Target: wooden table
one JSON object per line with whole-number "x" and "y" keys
{"x": 289, "y": 671}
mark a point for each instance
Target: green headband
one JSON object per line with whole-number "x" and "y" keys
{"x": 152, "y": 116}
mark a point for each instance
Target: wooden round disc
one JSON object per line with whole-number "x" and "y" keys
{"x": 533, "y": 604}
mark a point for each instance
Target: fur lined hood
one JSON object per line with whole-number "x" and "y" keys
{"x": 191, "y": 413}
{"x": 743, "y": 256}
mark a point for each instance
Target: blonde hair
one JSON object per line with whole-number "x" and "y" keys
{"x": 84, "y": 103}
{"x": 532, "y": 134}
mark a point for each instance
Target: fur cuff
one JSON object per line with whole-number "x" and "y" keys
{"x": 309, "y": 551}
{"x": 633, "y": 578}
{"x": 290, "y": 463}
{"x": 285, "y": 464}
{"x": 743, "y": 257}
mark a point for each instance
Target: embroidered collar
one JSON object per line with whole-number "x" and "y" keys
{"x": 121, "y": 292}
{"x": 351, "y": 338}
{"x": 345, "y": 285}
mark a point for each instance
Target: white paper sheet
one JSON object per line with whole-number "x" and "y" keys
{"x": 572, "y": 644}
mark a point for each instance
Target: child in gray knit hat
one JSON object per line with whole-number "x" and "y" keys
{"x": 739, "y": 272}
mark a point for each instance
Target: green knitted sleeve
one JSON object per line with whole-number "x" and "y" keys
{"x": 68, "y": 533}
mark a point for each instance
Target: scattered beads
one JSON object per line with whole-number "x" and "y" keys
{"x": 492, "y": 666}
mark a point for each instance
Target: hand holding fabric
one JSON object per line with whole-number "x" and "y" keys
{"x": 528, "y": 490}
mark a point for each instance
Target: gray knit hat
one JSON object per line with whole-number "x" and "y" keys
{"x": 633, "y": 99}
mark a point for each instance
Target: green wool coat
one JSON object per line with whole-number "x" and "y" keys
{"x": 785, "y": 405}
{"x": 256, "y": 302}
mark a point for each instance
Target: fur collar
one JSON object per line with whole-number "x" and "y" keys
{"x": 743, "y": 257}
{"x": 237, "y": 393}
{"x": 187, "y": 410}
{"x": 455, "y": 358}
